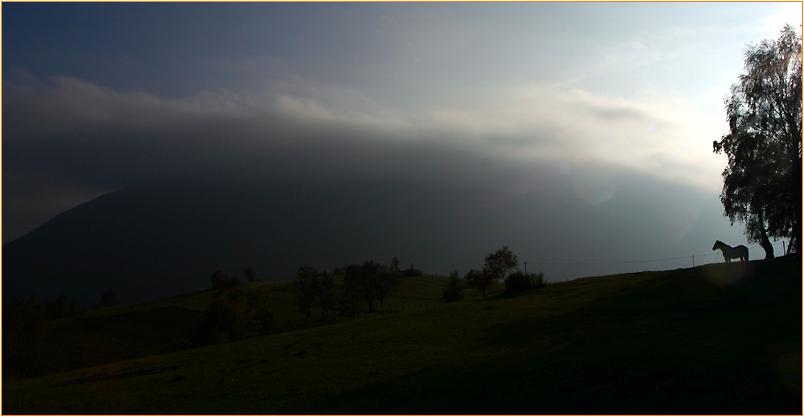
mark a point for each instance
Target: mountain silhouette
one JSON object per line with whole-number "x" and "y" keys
{"x": 160, "y": 240}
{"x": 163, "y": 239}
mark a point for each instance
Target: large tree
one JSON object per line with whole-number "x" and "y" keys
{"x": 762, "y": 181}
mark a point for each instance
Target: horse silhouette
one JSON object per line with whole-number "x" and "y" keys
{"x": 730, "y": 253}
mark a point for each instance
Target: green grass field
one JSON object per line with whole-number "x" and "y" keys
{"x": 712, "y": 339}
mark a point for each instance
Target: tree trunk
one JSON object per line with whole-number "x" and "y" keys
{"x": 795, "y": 239}
{"x": 764, "y": 241}
{"x": 763, "y": 235}
{"x": 767, "y": 246}
{"x": 794, "y": 244}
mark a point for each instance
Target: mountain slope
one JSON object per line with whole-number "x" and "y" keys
{"x": 159, "y": 240}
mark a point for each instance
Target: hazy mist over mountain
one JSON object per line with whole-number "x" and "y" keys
{"x": 276, "y": 136}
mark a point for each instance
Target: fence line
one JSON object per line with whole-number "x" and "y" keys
{"x": 635, "y": 261}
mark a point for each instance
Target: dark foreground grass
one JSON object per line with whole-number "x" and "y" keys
{"x": 713, "y": 339}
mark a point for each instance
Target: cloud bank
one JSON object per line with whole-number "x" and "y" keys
{"x": 80, "y": 138}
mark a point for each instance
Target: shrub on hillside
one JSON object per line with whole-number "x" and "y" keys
{"x": 521, "y": 281}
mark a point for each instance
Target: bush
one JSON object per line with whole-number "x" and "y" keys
{"x": 454, "y": 290}
{"x": 520, "y": 282}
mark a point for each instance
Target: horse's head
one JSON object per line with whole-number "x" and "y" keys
{"x": 718, "y": 244}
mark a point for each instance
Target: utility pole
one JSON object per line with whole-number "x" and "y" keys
{"x": 693, "y": 260}
{"x": 784, "y": 251}
{"x": 526, "y": 267}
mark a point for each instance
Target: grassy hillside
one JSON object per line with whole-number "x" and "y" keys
{"x": 717, "y": 338}
{"x": 115, "y": 333}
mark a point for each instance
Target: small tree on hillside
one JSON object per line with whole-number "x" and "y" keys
{"x": 220, "y": 279}
{"x": 368, "y": 283}
{"x": 306, "y": 288}
{"x": 251, "y": 274}
{"x": 369, "y": 277}
{"x": 479, "y": 279}
{"x": 349, "y": 292}
{"x": 263, "y": 319}
{"x": 107, "y": 299}
{"x": 454, "y": 290}
{"x": 325, "y": 292}
{"x": 227, "y": 317}
{"x": 501, "y": 262}
{"x": 411, "y": 271}
{"x": 65, "y": 306}
{"x": 388, "y": 281}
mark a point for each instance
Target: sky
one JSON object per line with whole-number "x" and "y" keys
{"x": 99, "y": 97}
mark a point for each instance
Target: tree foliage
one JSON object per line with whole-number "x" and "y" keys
{"x": 499, "y": 263}
{"x": 762, "y": 181}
